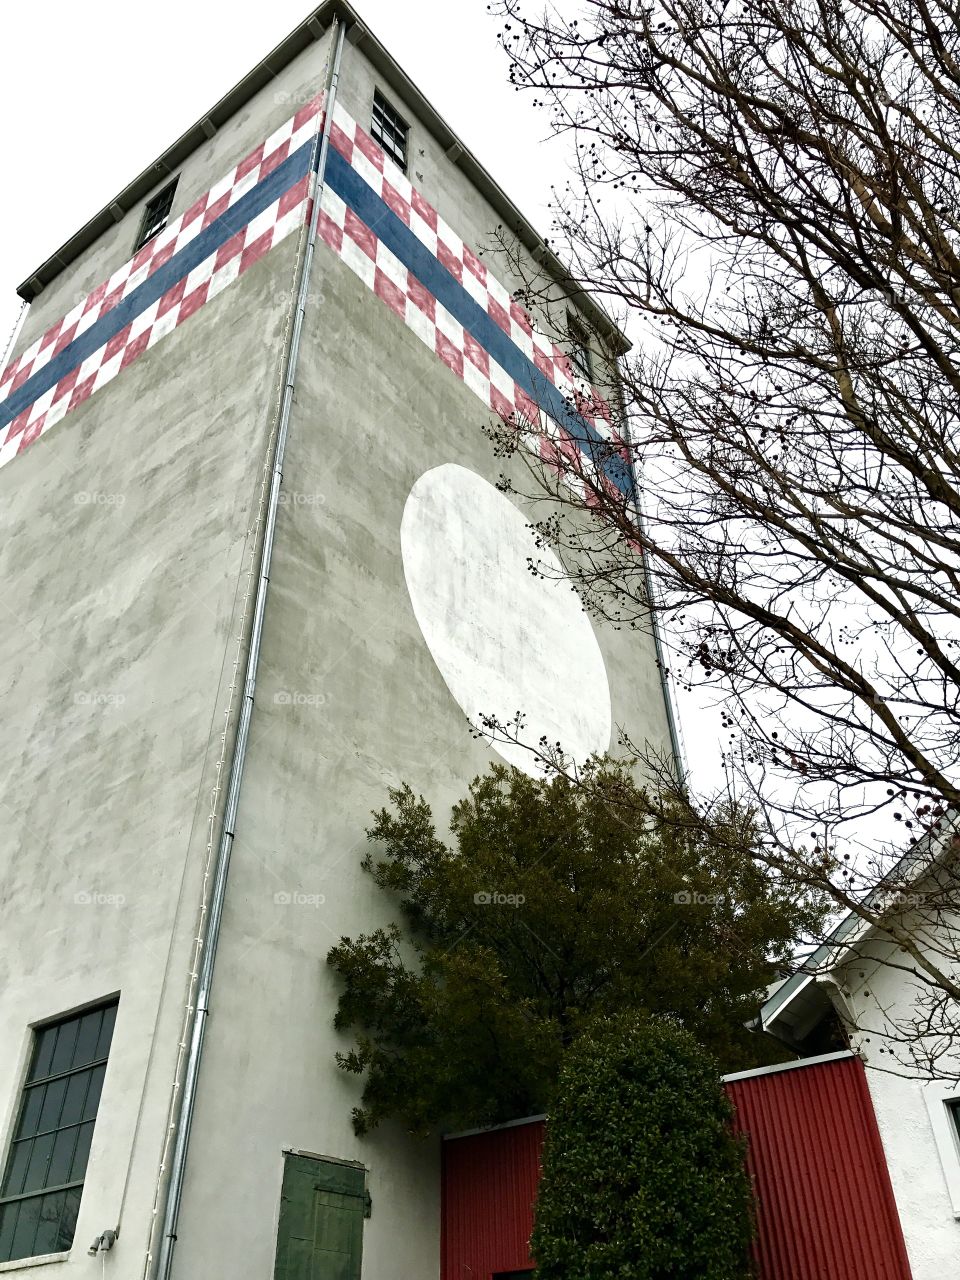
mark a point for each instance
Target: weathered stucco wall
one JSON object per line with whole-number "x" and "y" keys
{"x": 117, "y": 644}
{"x": 918, "y": 1134}
{"x": 350, "y": 702}
{"x": 127, "y": 539}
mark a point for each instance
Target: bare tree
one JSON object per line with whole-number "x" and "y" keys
{"x": 767, "y": 193}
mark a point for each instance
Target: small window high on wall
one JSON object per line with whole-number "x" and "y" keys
{"x": 390, "y": 131}
{"x": 156, "y": 215}
{"x": 578, "y": 346}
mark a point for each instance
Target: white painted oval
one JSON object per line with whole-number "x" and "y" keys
{"x": 504, "y": 640}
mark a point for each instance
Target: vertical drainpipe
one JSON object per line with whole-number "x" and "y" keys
{"x": 174, "y": 1189}
{"x": 673, "y": 727}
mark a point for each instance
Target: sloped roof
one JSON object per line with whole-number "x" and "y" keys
{"x": 311, "y": 29}
{"x": 922, "y": 857}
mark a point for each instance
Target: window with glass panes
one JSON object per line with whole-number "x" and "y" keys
{"x": 156, "y": 215}
{"x": 47, "y": 1160}
{"x": 390, "y": 131}
{"x": 580, "y": 353}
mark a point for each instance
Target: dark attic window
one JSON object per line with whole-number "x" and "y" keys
{"x": 389, "y": 131}
{"x": 581, "y": 357}
{"x": 156, "y": 215}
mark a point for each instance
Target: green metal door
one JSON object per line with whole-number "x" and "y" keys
{"x": 320, "y": 1236}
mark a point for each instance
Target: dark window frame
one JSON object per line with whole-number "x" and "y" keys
{"x": 953, "y": 1106}
{"x": 156, "y": 214}
{"x": 579, "y": 350}
{"x": 48, "y": 1151}
{"x": 389, "y": 130}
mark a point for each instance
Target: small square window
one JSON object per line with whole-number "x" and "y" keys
{"x": 581, "y": 356}
{"x": 47, "y": 1161}
{"x": 390, "y": 131}
{"x": 156, "y": 214}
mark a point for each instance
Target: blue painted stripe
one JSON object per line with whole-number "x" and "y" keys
{"x": 445, "y": 287}
{"x": 203, "y": 246}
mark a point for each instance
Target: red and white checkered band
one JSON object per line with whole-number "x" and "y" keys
{"x": 185, "y": 297}
{"x": 358, "y": 246}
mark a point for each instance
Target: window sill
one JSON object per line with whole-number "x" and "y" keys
{"x": 39, "y": 1260}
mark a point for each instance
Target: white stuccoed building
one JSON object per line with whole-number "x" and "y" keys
{"x": 255, "y": 570}
{"x": 858, "y": 989}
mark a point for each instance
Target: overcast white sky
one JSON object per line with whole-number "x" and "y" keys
{"x": 91, "y": 93}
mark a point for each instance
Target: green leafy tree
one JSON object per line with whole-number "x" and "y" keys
{"x": 548, "y": 909}
{"x": 642, "y": 1174}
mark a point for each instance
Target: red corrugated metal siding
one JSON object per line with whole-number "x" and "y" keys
{"x": 489, "y": 1186}
{"x": 825, "y": 1206}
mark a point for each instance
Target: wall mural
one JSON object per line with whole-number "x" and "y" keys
{"x": 503, "y": 639}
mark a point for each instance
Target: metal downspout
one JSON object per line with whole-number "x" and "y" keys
{"x": 673, "y": 726}
{"x": 174, "y": 1191}
{"x": 672, "y": 722}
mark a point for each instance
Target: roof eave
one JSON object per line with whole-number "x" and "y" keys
{"x": 851, "y": 930}
{"x": 312, "y": 28}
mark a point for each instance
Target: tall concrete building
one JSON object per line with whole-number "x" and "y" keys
{"x": 255, "y": 570}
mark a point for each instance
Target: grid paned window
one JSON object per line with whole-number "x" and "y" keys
{"x": 389, "y": 131}
{"x": 580, "y": 354}
{"x": 47, "y": 1161}
{"x": 156, "y": 215}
